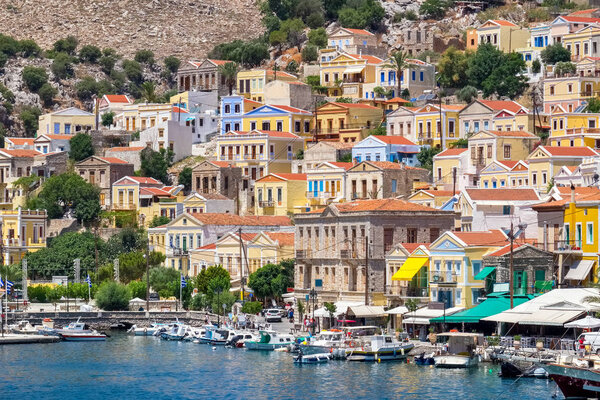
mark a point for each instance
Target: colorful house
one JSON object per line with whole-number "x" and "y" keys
{"x": 23, "y": 231}
{"x": 546, "y": 161}
{"x": 574, "y": 129}
{"x": 488, "y": 146}
{"x": 202, "y": 76}
{"x": 583, "y": 42}
{"x": 345, "y": 74}
{"x": 386, "y": 148}
{"x": 501, "y": 115}
{"x": 278, "y": 118}
{"x": 346, "y": 122}
{"x": 430, "y": 131}
{"x": 68, "y": 121}
{"x": 280, "y": 194}
{"x": 233, "y": 109}
{"x": 569, "y": 92}
{"x": 503, "y": 34}
{"x": 432, "y": 198}
{"x": 251, "y": 83}
{"x": 326, "y": 183}
{"x": 417, "y": 78}
{"x": 208, "y": 203}
{"x": 136, "y": 197}
{"x": 504, "y": 174}
{"x": 407, "y": 271}
{"x": 451, "y": 170}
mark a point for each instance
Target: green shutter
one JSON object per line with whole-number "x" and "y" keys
{"x": 540, "y": 275}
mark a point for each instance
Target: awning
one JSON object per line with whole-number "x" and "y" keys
{"x": 190, "y": 118}
{"x": 542, "y": 286}
{"x": 550, "y": 317}
{"x": 493, "y": 305}
{"x": 416, "y": 321}
{"x": 484, "y": 273}
{"x": 409, "y": 269}
{"x": 354, "y": 70}
{"x": 579, "y": 270}
{"x": 366, "y": 311}
{"x": 397, "y": 311}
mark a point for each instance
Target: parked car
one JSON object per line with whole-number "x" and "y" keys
{"x": 273, "y": 315}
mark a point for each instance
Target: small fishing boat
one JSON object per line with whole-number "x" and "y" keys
{"x": 24, "y": 328}
{"x": 222, "y": 336}
{"x": 378, "y": 348}
{"x": 312, "y": 358}
{"x": 510, "y": 370}
{"x": 177, "y": 332}
{"x": 460, "y": 351}
{"x": 324, "y": 342}
{"x": 240, "y": 339}
{"x": 209, "y": 331}
{"x": 83, "y": 336}
{"x": 580, "y": 382}
{"x": 425, "y": 359}
{"x": 146, "y": 330}
{"x": 270, "y": 340}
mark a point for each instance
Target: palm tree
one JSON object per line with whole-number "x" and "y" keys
{"x": 398, "y": 62}
{"x": 149, "y": 92}
{"x": 229, "y": 72}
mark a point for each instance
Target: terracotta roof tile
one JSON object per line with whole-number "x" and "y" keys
{"x": 218, "y": 62}
{"x": 142, "y": 179}
{"x": 345, "y": 165}
{"x": 390, "y": 165}
{"x": 113, "y": 160}
{"x": 284, "y": 238}
{"x": 290, "y": 109}
{"x": 232, "y": 219}
{"x": 503, "y": 22}
{"x": 395, "y": 140}
{"x": 410, "y": 247}
{"x": 588, "y": 20}
{"x": 505, "y": 250}
{"x": 513, "y": 134}
{"x": 22, "y": 153}
{"x": 498, "y": 105}
{"x": 211, "y": 246}
{"x": 564, "y": 151}
{"x": 379, "y": 205}
{"x": 451, "y": 152}
{"x": 20, "y": 141}
{"x": 508, "y": 163}
{"x": 369, "y": 59}
{"x": 580, "y": 12}
{"x": 352, "y": 105}
{"x": 359, "y": 31}
{"x": 502, "y": 194}
{"x": 397, "y": 100}
{"x": 117, "y": 98}
{"x": 119, "y": 149}
{"x": 153, "y": 191}
{"x": 222, "y": 164}
{"x": 485, "y": 238}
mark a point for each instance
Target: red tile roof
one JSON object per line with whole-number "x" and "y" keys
{"x": 222, "y": 164}
{"x": 345, "y": 165}
{"x": 397, "y": 100}
{"x": 395, "y": 140}
{"x": 118, "y": 98}
{"x": 52, "y": 136}
{"x": 581, "y": 19}
{"x": 580, "y": 12}
{"x": 503, "y": 22}
{"x": 441, "y": 193}
{"x": 269, "y": 133}
{"x": 22, "y": 152}
{"x": 561, "y": 151}
{"x": 289, "y": 176}
{"x": 410, "y": 247}
{"x": 498, "y": 105}
{"x": 290, "y": 109}
{"x": 218, "y": 62}
{"x": 384, "y": 205}
{"x": 503, "y": 194}
{"x": 451, "y": 152}
{"x": 284, "y": 238}
{"x": 20, "y": 141}
{"x": 211, "y": 246}
{"x": 179, "y": 110}
{"x": 513, "y": 134}
{"x": 486, "y": 238}
{"x": 153, "y": 191}
{"x": 353, "y": 105}
{"x": 359, "y": 31}
{"x": 232, "y": 219}
{"x": 579, "y": 190}
{"x": 113, "y": 160}
{"x": 280, "y": 73}
{"x": 142, "y": 179}
{"x": 139, "y": 148}
{"x": 369, "y": 59}
{"x": 508, "y": 163}
{"x": 390, "y": 165}
{"x": 505, "y": 250}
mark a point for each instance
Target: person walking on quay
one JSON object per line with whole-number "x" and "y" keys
{"x": 305, "y": 323}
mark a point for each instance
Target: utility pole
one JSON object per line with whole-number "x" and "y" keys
{"x": 441, "y": 130}
{"x": 366, "y": 270}
{"x": 148, "y": 280}
{"x": 96, "y": 249}
{"x": 316, "y": 137}
{"x": 453, "y": 181}
{"x": 242, "y": 250}
{"x": 510, "y": 277}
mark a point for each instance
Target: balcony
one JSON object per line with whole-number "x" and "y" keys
{"x": 179, "y": 252}
{"x": 268, "y": 203}
{"x": 124, "y": 207}
{"x": 444, "y": 277}
{"x": 348, "y": 254}
{"x": 303, "y": 254}
{"x": 395, "y": 290}
{"x": 567, "y": 246}
{"x": 581, "y": 131}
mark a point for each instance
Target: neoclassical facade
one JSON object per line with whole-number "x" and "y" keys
{"x": 202, "y": 76}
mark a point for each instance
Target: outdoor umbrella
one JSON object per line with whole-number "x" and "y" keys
{"x": 588, "y": 322}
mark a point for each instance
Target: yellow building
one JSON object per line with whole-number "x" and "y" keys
{"x": 327, "y": 183}
{"x": 345, "y": 74}
{"x": 347, "y": 122}
{"x": 451, "y": 169}
{"x": 138, "y": 117}
{"x": 569, "y": 92}
{"x": 546, "y": 161}
{"x": 258, "y": 249}
{"x": 504, "y": 174}
{"x": 455, "y": 260}
{"x": 278, "y": 118}
{"x": 582, "y": 43}
{"x": 23, "y": 231}
{"x": 488, "y": 146}
{"x": 66, "y": 122}
{"x": 429, "y": 128}
{"x": 280, "y": 194}
{"x": 259, "y": 153}
{"x": 432, "y": 198}
{"x": 251, "y": 83}
{"x": 504, "y": 35}
{"x": 574, "y": 129}
{"x": 408, "y": 280}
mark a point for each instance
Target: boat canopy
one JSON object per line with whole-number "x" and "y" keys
{"x": 494, "y": 304}
{"x": 409, "y": 269}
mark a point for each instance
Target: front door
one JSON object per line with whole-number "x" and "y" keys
{"x": 445, "y": 296}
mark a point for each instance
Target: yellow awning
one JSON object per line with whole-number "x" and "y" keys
{"x": 409, "y": 269}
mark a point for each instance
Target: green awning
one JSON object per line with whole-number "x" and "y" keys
{"x": 494, "y": 304}
{"x": 543, "y": 286}
{"x": 484, "y": 273}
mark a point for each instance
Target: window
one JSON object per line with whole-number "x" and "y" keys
{"x": 489, "y": 151}
{"x": 458, "y": 296}
{"x": 457, "y": 266}
{"x": 570, "y": 88}
{"x": 476, "y": 267}
{"x": 507, "y": 151}
{"x": 421, "y": 76}
{"x": 591, "y": 123}
{"x": 552, "y": 90}
{"x": 589, "y": 233}
{"x": 394, "y": 186}
{"x": 476, "y": 126}
{"x": 279, "y": 195}
{"x": 506, "y": 210}
{"x": 475, "y": 296}
{"x": 227, "y": 109}
{"x": 534, "y": 178}
{"x": 544, "y": 178}
{"x": 253, "y": 125}
{"x": 297, "y": 126}
{"x": 451, "y": 128}
{"x": 279, "y": 126}
{"x": 237, "y": 108}
{"x": 411, "y": 235}
{"x": 306, "y": 126}
{"x": 578, "y": 234}
{"x": 434, "y": 233}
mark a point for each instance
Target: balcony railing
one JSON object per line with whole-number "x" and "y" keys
{"x": 267, "y": 203}
{"x": 576, "y": 131}
{"x": 345, "y": 254}
{"x": 444, "y": 276}
{"x": 180, "y": 252}
{"x": 567, "y": 246}
{"x": 403, "y": 291}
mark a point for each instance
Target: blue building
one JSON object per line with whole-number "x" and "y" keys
{"x": 232, "y": 110}
{"x": 387, "y": 148}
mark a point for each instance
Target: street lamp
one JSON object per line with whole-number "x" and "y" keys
{"x": 313, "y": 295}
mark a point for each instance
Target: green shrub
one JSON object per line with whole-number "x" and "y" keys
{"x": 144, "y": 57}
{"x": 252, "y": 307}
{"x": 107, "y": 63}
{"x": 315, "y": 20}
{"x": 8, "y": 45}
{"x": 86, "y": 88}
{"x": 62, "y": 66}
{"x": 47, "y": 93}
{"x": 318, "y": 37}
{"x": 172, "y": 64}
{"x": 29, "y": 116}
{"x": 108, "y": 118}
{"x": 434, "y": 9}
{"x": 310, "y": 53}
{"x": 34, "y": 77}
{"x": 89, "y": 53}
{"x": 112, "y": 296}
{"x": 81, "y": 147}
{"x": 7, "y": 94}
{"x": 29, "y": 48}
{"x": 133, "y": 70}
{"x": 67, "y": 45}
{"x": 3, "y": 60}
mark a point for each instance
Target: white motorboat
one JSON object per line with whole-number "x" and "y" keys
{"x": 221, "y": 336}
{"x": 75, "y": 336}
{"x": 146, "y": 330}
{"x": 192, "y": 334}
{"x": 177, "y": 332}
{"x": 209, "y": 331}
{"x": 377, "y": 348}
{"x": 460, "y": 352}
{"x": 324, "y": 342}
{"x": 240, "y": 339}
{"x": 270, "y": 340}
{"x": 24, "y": 328}
{"x": 74, "y": 327}
{"x": 312, "y": 358}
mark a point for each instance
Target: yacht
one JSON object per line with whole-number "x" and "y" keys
{"x": 377, "y": 348}
{"x": 75, "y": 336}
{"x": 270, "y": 340}
{"x": 460, "y": 351}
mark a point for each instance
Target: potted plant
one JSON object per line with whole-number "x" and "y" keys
{"x": 517, "y": 342}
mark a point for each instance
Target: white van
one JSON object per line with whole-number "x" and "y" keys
{"x": 592, "y": 339}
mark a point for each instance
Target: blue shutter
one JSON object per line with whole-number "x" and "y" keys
{"x": 320, "y": 186}
{"x": 56, "y": 128}
{"x": 310, "y": 186}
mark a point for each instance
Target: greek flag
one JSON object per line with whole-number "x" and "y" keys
{"x": 183, "y": 282}
{"x": 9, "y": 286}
{"x": 89, "y": 281}
{"x": 1, "y": 282}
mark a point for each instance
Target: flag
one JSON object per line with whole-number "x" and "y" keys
{"x": 89, "y": 281}
{"x": 1, "y": 282}
{"x": 9, "y": 286}
{"x": 183, "y": 282}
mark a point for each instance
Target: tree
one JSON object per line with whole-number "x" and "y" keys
{"x": 133, "y": 70}
{"x": 47, "y": 93}
{"x": 310, "y": 53}
{"x": 292, "y": 67}
{"x": 398, "y": 62}
{"x": 137, "y": 289}
{"x": 536, "y": 66}
{"x": 67, "y": 45}
{"x": 159, "y": 220}
{"x": 564, "y": 68}
{"x": 34, "y": 77}
{"x": 62, "y": 66}
{"x": 453, "y": 68}
{"x": 434, "y": 9}
{"x": 81, "y": 147}
{"x": 160, "y": 277}
{"x": 252, "y": 307}
{"x": 482, "y": 64}
{"x": 301, "y": 309}
{"x": 229, "y": 72}
{"x": 90, "y": 54}
{"x": 555, "y": 53}
{"x": 315, "y": 20}
{"x": 203, "y": 279}
{"x": 185, "y": 179}
{"x": 507, "y": 79}
{"x": 107, "y": 63}
{"x": 467, "y": 94}
{"x": 172, "y": 64}
{"x": 269, "y": 281}
{"x": 425, "y": 156}
{"x": 86, "y": 88}
{"x": 29, "y": 116}
{"x": 461, "y": 143}
{"x": 277, "y": 39}
{"x": 149, "y": 92}
{"x": 27, "y": 184}
{"x": 155, "y": 164}
{"x": 108, "y": 118}
{"x": 113, "y": 296}
{"x": 331, "y": 309}
{"x": 294, "y": 30}
{"x": 361, "y": 14}
{"x": 29, "y": 48}
{"x": 70, "y": 192}
{"x": 593, "y": 105}
{"x": 144, "y": 57}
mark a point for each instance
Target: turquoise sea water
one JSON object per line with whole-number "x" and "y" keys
{"x": 127, "y": 367}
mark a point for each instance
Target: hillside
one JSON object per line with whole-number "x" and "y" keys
{"x": 185, "y": 28}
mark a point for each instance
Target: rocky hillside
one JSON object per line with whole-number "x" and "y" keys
{"x": 185, "y": 28}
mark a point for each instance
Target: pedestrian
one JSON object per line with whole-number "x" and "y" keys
{"x": 582, "y": 346}
{"x": 206, "y": 319}
{"x": 305, "y": 323}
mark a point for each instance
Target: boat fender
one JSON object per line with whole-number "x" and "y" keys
{"x": 352, "y": 344}
{"x": 401, "y": 350}
{"x": 145, "y": 330}
{"x": 331, "y": 350}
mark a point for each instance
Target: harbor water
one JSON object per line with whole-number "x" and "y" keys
{"x": 145, "y": 367}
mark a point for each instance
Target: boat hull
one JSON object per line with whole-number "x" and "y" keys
{"x": 265, "y": 346}
{"x": 315, "y": 349}
{"x": 83, "y": 338}
{"x": 574, "y": 382}
{"x": 456, "y": 361}
{"x": 383, "y": 354}
{"x": 312, "y": 359}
